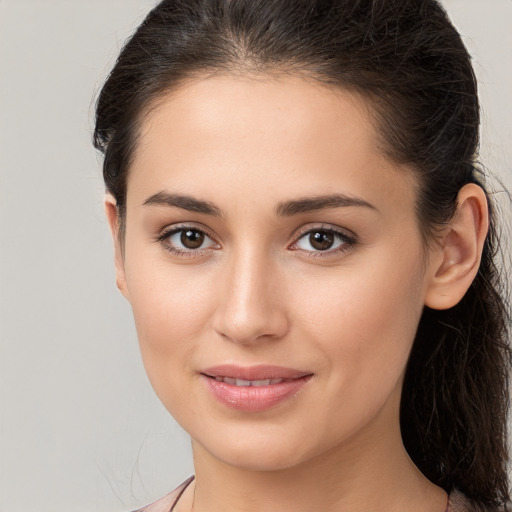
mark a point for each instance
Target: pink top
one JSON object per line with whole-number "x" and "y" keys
{"x": 457, "y": 502}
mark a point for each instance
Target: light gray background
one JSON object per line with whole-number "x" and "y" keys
{"x": 80, "y": 429}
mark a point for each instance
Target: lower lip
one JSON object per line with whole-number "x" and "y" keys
{"x": 254, "y": 398}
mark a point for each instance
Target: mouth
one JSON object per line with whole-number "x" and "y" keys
{"x": 256, "y": 388}
{"x": 247, "y": 383}
{"x": 253, "y": 374}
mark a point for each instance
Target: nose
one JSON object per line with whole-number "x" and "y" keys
{"x": 250, "y": 306}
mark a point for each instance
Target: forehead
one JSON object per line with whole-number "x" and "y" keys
{"x": 259, "y": 108}
{"x": 272, "y": 136}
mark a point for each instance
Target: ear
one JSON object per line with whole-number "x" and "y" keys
{"x": 457, "y": 259}
{"x": 114, "y": 223}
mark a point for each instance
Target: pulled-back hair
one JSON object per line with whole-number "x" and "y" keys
{"x": 409, "y": 62}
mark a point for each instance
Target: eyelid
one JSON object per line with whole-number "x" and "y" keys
{"x": 182, "y": 226}
{"x": 308, "y": 228}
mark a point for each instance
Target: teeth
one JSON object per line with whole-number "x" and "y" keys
{"x": 247, "y": 383}
{"x": 264, "y": 382}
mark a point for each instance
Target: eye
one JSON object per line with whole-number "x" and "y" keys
{"x": 186, "y": 241}
{"x": 324, "y": 240}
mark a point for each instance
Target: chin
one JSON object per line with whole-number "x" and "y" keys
{"x": 257, "y": 454}
{"x": 260, "y": 462}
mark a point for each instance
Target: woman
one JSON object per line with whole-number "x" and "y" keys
{"x": 307, "y": 246}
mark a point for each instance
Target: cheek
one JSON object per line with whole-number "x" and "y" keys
{"x": 172, "y": 308}
{"x": 365, "y": 320}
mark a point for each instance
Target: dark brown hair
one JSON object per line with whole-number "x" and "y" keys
{"x": 408, "y": 60}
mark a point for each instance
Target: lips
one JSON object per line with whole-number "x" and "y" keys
{"x": 255, "y": 388}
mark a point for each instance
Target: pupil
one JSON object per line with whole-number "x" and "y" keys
{"x": 321, "y": 240}
{"x": 192, "y": 239}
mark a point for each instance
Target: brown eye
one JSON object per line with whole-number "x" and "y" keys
{"x": 187, "y": 241}
{"x": 191, "y": 238}
{"x": 326, "y": 240}
{"x": 321, "y": 240}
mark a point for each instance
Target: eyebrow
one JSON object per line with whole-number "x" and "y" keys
{"x": 184, "y": 202}
{"x": 312, "y": 204}
{"x": 284, "y": 209}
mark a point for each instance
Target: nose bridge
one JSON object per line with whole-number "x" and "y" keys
{"x": 248, "y": 307}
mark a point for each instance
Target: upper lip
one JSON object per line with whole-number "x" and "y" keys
{"x": 258, "y": 372}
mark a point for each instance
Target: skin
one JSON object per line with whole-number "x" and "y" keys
{"x": 258, "y": 292}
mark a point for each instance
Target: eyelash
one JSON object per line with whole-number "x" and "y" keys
{"x": 347, "y": 241}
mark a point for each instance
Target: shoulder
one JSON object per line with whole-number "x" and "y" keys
{"x": 166, "y": 503}
{"x": 460, "y": 503}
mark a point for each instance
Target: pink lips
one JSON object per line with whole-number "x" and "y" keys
{"x": 254, "y": 388}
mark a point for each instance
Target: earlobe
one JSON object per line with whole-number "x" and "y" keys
{"x": 459, "y": 250}
{"x": 114, "y": 223}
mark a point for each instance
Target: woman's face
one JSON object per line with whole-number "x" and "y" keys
{"x": 267, "y": 238}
